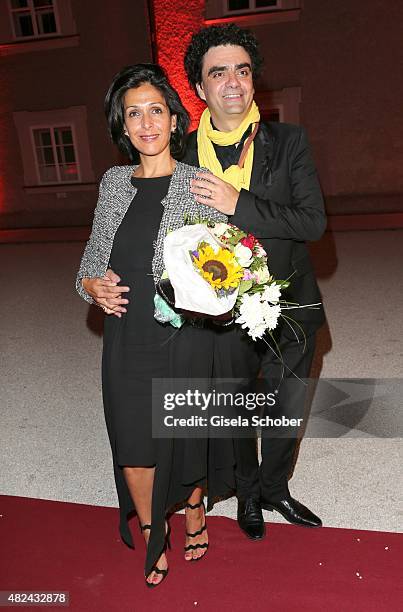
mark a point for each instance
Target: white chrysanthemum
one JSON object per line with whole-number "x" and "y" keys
{"x": 272, "y": 293}
{"x": 252, "y": 315}
{"x": 250, "y": 305}
{"x": 243, "y": 255}
{"x": 262, "y": 275}
{"x": 258, "y": 331}
{"x": 270, "y": 315}
{"x": 257, "y": 316}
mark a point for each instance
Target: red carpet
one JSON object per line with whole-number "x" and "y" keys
{"x": 55, "y": 546}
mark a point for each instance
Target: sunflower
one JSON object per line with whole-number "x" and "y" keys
{"x": 220, "y": 269}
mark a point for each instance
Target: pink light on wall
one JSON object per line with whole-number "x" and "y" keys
{"x": 175, "y": 22}
{"x": 4, "y": 127}
{"x": 2, "y": 194}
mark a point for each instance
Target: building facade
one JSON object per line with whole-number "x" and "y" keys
{"x": 335, "y": 67}
{"x": 57, "y": 59}
{"x": 332, "y": 66}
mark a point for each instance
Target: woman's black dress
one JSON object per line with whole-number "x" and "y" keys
{"x": 138, "y": 348}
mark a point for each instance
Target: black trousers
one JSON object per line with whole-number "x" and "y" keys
{"x": 269, "y": 480}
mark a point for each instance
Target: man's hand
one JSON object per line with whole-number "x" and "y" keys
{"x": 106, "y": 293}
{"x": 214, "y": 192}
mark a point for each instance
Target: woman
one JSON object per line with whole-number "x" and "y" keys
{"x": 137, "y": 206}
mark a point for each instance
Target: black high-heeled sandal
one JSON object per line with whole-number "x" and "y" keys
{"x": 196, "y": 533}
{"x": 157, "y": 570}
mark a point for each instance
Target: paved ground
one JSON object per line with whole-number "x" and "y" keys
{"x": 53, "y": 442}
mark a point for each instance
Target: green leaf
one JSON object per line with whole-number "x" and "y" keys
{"x": 257, "y": 263}
{"x": 244, "y": 286}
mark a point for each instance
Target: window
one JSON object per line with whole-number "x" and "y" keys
{"x": 281, "y": 105}
{"x": 33, "y": 18}
{"x": 55, "y": 155}
{"x": 54, "y": 147}
{"x": 36, "y": 25}
{"x": 248, "y": 13}
{"x": 250, "y": 5}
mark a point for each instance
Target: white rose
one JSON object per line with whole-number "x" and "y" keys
{"x": 259, "y": 251}
{"x": 243, "y": 255}
{"x": 219, "y": 229}
{"x": 262, "y": 275}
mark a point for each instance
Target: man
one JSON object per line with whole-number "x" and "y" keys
{"x": 262, "y": 177}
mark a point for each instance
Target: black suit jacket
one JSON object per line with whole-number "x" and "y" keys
{"x": 283, "y": 208}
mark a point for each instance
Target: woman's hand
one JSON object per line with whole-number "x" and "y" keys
{"x": 106, "y": 293}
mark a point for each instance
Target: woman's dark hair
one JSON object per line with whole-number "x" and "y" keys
{"x": 215, "y": 36}
{"x": 132, "y": 77}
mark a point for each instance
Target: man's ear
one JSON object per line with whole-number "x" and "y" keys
{"x": 200, "y": 92}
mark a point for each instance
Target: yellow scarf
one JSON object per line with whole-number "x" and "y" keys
{"x": 206, "y": 135}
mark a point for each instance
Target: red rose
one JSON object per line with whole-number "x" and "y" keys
{"x": 249, "y": 241}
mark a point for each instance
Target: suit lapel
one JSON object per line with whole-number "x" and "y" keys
{"x": 263, "y": 154}
{"x": 258, "y": 160}
{"x": 191, "y": 156}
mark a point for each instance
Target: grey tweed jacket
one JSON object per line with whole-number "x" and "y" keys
{"x": 115, "y": 195}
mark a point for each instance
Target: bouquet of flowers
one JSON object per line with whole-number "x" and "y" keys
{"x": 217, "y": 270}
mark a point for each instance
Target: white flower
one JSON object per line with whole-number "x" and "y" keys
{"x": 272, "y": 293}
{"x": 271, "y": 315}
{"x": 258, "y": 331}
{"x": 243, "y": 255}
{"x": 262, "y": 275}
{"x": 257, "y": 316}
{"x": 219, "y": 229}
{"x": 252, "y": 315}
{"x": 259, "y": 251}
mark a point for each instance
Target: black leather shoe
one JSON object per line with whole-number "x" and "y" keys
{"x": 250, "y": 518}
{"x": 294, "y": 512}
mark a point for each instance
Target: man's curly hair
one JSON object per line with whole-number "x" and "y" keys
{"x": 215, "y": 36}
